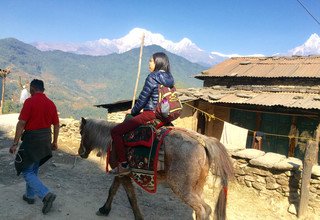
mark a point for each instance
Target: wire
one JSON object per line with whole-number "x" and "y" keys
{"x": 308, "y": 12}
{"x": 212, "y": 116}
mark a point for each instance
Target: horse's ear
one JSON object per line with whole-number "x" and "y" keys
{"x": 83, "y": 120}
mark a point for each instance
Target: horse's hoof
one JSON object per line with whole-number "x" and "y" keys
{"x": 98, "y": 213}
{"x": 102, "y": 212}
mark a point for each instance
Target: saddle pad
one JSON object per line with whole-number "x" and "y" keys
{"x": 144, "y": 135}
{"x": 144, "y": 162}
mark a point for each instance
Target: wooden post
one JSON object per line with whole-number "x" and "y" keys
{"x": 3, "y": 74}
{"x": 308, "y": 163}
{"x": 317, "y": 136}
{"x": 293, "y": 132}
{"x": 138, "y": 75}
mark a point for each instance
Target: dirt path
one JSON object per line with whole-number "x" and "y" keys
{"x": 82, "y": 186}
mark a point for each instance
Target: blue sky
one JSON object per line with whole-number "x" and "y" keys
{"x": 226, "y": 26}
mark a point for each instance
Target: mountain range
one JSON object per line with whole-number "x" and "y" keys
{"x": 184, "y": 48}
{"x": 77, "y": 82}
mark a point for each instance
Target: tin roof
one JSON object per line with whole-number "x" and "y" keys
{"x": 268, "y": 67}
{"x": 300, "y": 97}
{"x": 286, "y": 96}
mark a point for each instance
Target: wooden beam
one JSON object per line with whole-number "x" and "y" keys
{"x": 308, "y": 163}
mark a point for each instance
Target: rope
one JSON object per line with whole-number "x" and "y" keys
{"x": 212, "y": 116}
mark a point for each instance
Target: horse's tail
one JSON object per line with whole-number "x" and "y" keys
{"x": 218, "y": 155}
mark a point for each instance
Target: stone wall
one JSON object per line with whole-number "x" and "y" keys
{"x": 275, "y": 175}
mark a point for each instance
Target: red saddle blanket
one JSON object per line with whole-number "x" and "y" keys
{"x": 143, "y": 151}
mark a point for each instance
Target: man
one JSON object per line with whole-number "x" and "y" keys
{"x": 24, "y": 94}
{"x": 34, "y": 128}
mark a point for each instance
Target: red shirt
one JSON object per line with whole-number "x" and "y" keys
{"x": 39, "y": 112}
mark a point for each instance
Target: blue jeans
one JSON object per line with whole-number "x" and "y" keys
{"x": 34, "y": 186}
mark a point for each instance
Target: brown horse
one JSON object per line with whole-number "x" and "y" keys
{"x": 188, "y": 157}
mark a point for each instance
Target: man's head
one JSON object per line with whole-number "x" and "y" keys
{"x": 36, "y": 85}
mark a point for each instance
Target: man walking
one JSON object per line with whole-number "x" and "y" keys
{"x": 34, "y": 129}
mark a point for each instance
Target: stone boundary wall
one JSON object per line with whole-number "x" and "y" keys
{"x": 275, "y": 175}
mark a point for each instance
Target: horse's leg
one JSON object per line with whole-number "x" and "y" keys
{"x": 129, "y": 188}
{"x": 199, "y": 190}
{"x": 105, "y": 209}
{"x": 188, "y": 193}
{"x": 187, "y": 181}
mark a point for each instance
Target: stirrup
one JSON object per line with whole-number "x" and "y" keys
{"x": 120, "y": 170}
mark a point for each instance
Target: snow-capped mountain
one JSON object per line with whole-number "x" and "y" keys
{"x": 310, "y": 47}
{"x": 185, "y": 47}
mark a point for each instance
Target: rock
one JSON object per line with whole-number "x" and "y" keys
{"x": 272, "y": 186}
{"x": 316, "y": 170}
{"x": 249, "y": 178}
{"x": 248, "y": 183}
{"x": 288, "y": 164}
{"x": 282, "y": 181}
{"x": 240, "y": 172}
{"x": 257, "y": 186}
{"x": 292, "y": 209}
{"x": 267, "y": 160}
{"x": 248, "y": 153}
{"x": 257, "y": 171}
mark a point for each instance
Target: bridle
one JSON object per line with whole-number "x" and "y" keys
{"x": 83, "y": 149}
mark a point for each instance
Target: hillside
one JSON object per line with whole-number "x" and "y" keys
{"x": 77, "y": 82}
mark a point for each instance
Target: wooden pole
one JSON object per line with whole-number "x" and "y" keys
{"x": 308, "y": 163}
{"x": 3, "y": 75}
{"x": 317, "y": 144}
{"x": 2, "y": 95}
{"x": 139, "y": 69}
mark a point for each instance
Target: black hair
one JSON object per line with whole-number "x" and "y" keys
{"x": 37, "y": 84}
{"x": 161, "y": 62}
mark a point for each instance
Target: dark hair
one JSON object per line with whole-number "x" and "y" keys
{"x": 37, "y": 84}
{"x": 161, "y": 62}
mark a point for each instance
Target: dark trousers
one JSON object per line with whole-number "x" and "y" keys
{"x": 130, "y": 124}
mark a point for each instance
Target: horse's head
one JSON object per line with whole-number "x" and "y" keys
{"x": 85, "y": 146}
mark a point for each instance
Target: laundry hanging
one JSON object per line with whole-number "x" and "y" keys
{"x": 233, "y": 137}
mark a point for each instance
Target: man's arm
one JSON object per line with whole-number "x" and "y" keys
{"x": 56, "y": 128}
{"x": 17, "y": 136}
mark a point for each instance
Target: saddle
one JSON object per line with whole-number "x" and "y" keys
{"x": 144, "y": 155}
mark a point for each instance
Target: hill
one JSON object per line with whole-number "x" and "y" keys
{"x": 77, "y": 82}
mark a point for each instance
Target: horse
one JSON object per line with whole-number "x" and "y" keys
{"x": 188, "y": 158}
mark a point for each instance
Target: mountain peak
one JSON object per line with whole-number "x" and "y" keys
{"x": 185, "y": 47}
{"x": 310, "y": 47}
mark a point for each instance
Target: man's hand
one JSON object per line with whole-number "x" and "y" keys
{"x": 54, "y": 146}
{"x": 13, "y": 148}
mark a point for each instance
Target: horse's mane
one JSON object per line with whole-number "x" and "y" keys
{"x": 98, "y": 132}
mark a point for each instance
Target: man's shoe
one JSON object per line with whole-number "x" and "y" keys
{"x": 47, "y": 202}
{"x": 28, "y": 200}
{"x": 121, "y": 170}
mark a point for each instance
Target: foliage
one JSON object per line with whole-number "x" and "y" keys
{"x": 11, "y": 107}
{"x": 77, "y": 82}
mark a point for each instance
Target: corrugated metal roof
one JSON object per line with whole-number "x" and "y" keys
{"x": 264, "y": 96}
{"x": 268, "y": 67}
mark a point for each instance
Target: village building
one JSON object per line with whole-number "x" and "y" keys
{"x": 266, "y": 103}
{"x": 274, "y": 103}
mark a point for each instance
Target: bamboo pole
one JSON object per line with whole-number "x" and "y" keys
{"x": 139, "y": 69}
{"x": 309, "y": 161}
